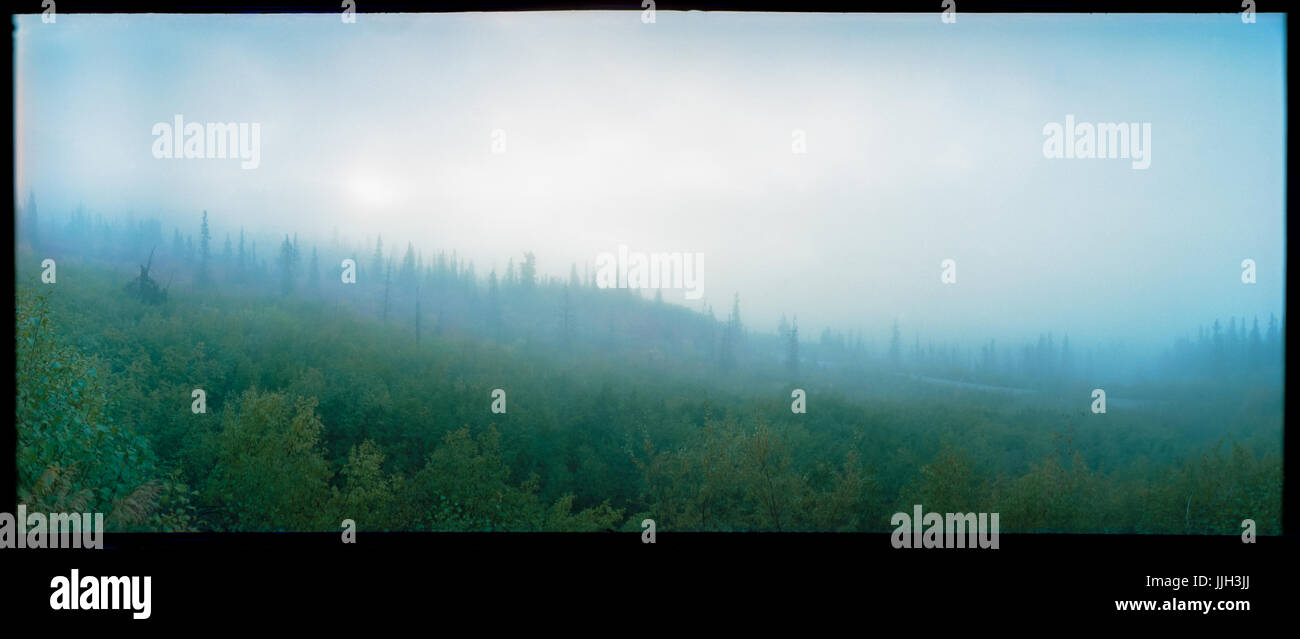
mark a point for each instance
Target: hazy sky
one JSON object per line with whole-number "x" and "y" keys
{"x": 924, "y": 141}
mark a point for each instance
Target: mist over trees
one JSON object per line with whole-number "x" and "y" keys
{"x": 370, "y": 400}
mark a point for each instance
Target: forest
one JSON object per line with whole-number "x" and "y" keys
{"x": 326, "y": 400}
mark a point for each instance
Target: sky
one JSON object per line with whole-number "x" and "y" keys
{"x": 922, "y": 141}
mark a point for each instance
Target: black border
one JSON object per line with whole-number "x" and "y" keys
{"x": 727, "y": 577}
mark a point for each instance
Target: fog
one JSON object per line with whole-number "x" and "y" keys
{"x": 924, "y": 142}
{"x": 285, "y": 271}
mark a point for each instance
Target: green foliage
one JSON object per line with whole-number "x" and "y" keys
{"x": 72, "y": 456}
{"x": 1214, "y": 492}
{"x": 355, "y": 420}
{"x": 368, "y": 495}
{"x": 732, "y": 478}
{"x": 270, "y": 471}
{"x": 465, "y": 486}
{"x": 1059, "y": 493}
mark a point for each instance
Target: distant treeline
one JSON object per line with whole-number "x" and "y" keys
{"x": 447, "y": 293}
{"x": 371, "y": 402}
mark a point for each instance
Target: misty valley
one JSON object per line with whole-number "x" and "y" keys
{"x": 409, "y": 389}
